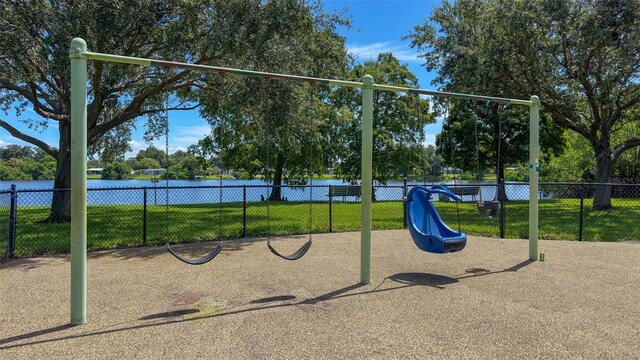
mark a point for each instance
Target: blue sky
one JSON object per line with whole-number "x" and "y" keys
{"x": 378, "y": 26}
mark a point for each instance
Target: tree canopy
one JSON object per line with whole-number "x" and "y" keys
{"x": 117, "y": 171}
{"x": 34, "y": 65}
{"x": 24, "y": 163}
{"x": 485, "y": 138}
{"x": 273, "y": 128}
{"x": 398, "y": 123}
{"x": 13, "y": 151}
{"x": 580, "y": 57}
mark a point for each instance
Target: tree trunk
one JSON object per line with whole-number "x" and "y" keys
{"x": 61, "y": 201}
{"x": 276, "y": 189}
{"x": 604, "y": 170}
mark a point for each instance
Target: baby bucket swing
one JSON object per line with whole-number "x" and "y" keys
{"x": 488, "y": 208}
{"x": 428, "y": 231}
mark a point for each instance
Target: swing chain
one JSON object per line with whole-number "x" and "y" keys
{"x": 221, "y": 173}
{"x": 166, "y": 172}
{"x": 475, "y": 124}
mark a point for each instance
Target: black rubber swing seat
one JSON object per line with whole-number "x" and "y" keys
{"x": 199, "y": 261}
{"x": 296, "y": 255}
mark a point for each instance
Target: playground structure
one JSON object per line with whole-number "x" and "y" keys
{"x": 79, "y": 57}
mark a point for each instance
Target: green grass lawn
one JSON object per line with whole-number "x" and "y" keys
{"x": 115, "y": 226}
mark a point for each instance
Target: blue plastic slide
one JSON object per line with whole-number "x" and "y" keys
{"x": 427, "y": 229}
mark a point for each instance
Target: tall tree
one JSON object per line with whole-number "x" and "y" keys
{"x": 146, "y": 163}
{"x": 112, "y": 145}
{"x": 435, "y": 161}
{"x": 398, "y": 123}
{"x": 34, "y": 62}
{"x": 575, "y": 163}
{"x": 13, "y": 151}
{"x": 152, "y": 153}
{"x": 580, "y": 57}
{"x": 273, "y": 128}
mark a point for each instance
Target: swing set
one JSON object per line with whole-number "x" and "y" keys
{"x": 79, "y": 56}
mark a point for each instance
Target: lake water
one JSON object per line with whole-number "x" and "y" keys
{"x": 103, "y": 192}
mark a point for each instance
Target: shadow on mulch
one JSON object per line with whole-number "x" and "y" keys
{"x": 404, "y": 279}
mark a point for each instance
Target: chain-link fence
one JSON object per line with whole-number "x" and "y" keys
{"x": 5, "y": 221}
{"x": 123, "y": 217}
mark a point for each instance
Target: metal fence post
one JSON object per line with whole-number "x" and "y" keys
{"x": 144, "y": 218}
{"x": 330, "y": 209}
{"x": 244, "y": 210}
{"x": 503, "y": 195}
{"x": 404, "y": 203}
{"x": 12, "y": 221}
{"x": 581, "y": 211}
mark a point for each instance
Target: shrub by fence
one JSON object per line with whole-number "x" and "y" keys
{"x": 123, "y": 217}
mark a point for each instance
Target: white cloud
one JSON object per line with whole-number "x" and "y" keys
{"x": 202, "y": 130}
{"x": 430, "y": 132}
{"x": 136, "y": 146}
{"x": 371, "y": 51}
{"x": 183, "y": 136}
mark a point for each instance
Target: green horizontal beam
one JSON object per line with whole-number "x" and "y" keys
{"x": 266, "y": 75}
{"x": 216, "y": 69}
{"x": 451, "y": 94}
{"x": 115, "y": 58}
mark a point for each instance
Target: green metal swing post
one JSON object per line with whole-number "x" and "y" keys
{"x": 367, "y": 179}
{"x": 534, "y": 172}
{"x": 78, "y": 182}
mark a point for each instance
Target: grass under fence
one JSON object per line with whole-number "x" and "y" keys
{"x": 114, "y": 226}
